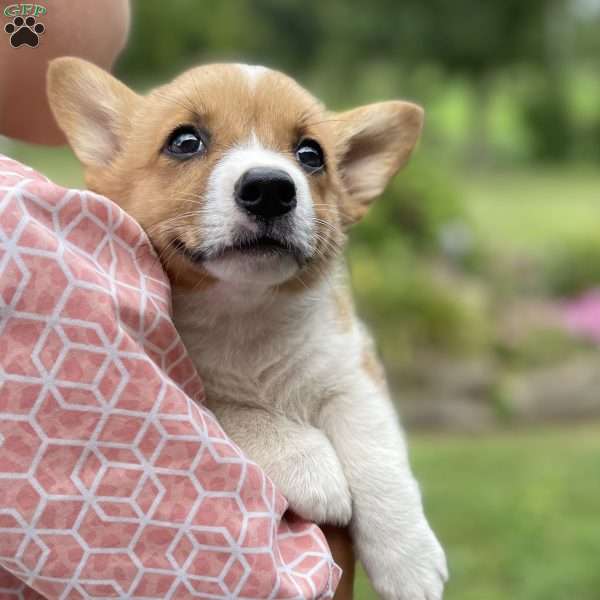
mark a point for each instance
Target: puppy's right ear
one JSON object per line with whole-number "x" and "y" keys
{"x": 91, "y": 107}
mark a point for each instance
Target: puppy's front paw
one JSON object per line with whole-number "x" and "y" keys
{"x": 412, "y": 567}
{"x": 325, "y": 501}
{"x": 316, "y": 489}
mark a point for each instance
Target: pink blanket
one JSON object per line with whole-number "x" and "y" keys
{"x": 114, "y": 483}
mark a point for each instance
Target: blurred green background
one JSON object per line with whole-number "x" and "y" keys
{"x": 478, "y": 269}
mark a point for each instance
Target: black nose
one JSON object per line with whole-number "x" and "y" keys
{"x": 265, "y": 192}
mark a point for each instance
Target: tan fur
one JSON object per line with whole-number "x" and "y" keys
{"x": 372, "y": 367}
{"x": 345, "y": 307}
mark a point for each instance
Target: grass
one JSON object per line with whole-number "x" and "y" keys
{"x": 58, "y": 164}
{"x": 517, "y": 513}
{"x": 533, "y": 209}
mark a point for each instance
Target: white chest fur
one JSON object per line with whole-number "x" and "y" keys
{"x": 287, "y": 353}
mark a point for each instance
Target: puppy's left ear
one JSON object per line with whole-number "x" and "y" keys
{"x": 373, "y": 143}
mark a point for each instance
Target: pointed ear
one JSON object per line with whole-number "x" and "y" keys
{"x": 373, "y": 143}
{"x": 91, "y": 107}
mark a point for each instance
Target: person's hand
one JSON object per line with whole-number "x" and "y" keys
{"x": 96, "y": 30}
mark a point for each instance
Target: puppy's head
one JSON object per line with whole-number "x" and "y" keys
{"x": 236, "y": 172}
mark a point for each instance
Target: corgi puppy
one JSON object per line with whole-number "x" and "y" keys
{"x": 247, "y": 186}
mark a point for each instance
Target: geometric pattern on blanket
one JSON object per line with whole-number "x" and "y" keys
{"x": 114, "y": 481}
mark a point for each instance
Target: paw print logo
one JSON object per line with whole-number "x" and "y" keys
{"x": 24, "y": 32}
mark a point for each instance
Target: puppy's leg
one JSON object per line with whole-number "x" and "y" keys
{"x": 298, "y": 458}
{"x": 391, "y": 535}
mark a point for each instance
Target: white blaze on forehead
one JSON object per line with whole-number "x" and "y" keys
{"x": 252, "y": 73}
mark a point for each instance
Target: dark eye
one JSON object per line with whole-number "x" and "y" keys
{"x": 185, "y": 142}
{"x": 310, "y": 155}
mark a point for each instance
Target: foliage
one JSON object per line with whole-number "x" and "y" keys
{"x": 574, "y": 268}
{"x": 471, "y": 38}
{"x": 398, "y": 286}
{"x": 539, "y": 347}
{"x": 349, "y": 53}
{"x": 166, "y": 38}
{"x": 547, "y": 117}
{"x": 410, "y": 307}
{"x": 416, "y": 206}
{"x": 464, "y": 36}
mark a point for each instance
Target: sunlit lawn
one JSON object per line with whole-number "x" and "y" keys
{"x": 59, "y": 164}
{"x": 519, "y": 514}
{"x": 535, "y": 208}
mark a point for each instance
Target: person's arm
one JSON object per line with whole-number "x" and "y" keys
{"x": 96, "y": 30}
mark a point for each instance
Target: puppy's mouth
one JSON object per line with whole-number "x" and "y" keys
{"x": 263, "y": 246}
